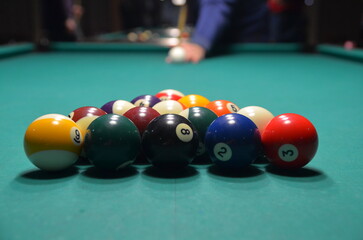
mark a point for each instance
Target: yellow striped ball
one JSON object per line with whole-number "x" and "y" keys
{"x": 53, "y": 142}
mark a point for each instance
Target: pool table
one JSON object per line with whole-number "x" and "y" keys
{"x": 324, "y": 200}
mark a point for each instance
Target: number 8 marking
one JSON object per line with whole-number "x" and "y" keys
{"x": 184, "y": 132}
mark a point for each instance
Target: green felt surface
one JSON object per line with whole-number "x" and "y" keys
{"x": 352, "y": 54}
{"x": 324, "y": 201}
{"x": 14, "y": 49}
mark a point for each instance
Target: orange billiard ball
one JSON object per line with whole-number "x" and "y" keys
{"x": 53, "y": 142}
{"x": 221, "y": 107}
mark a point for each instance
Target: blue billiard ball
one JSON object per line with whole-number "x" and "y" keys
{"x": 233, "y": 141}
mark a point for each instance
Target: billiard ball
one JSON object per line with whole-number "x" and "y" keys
{"x": 145, "y": 101}
{"x": 177, "y": 55}
{"x": 170, "y": 142}
{"x": 233, "y": 141}
{"x": 169, "y": 106}
{"x": 117, "y": 106}
{"x": 201, "y": 118}
{"x": 259, "y": 115}
{"x": 290, "y": 141}
{"x": 221, "y": 107}
{"x": 83, "y": 116}
{"x": 53, "y": 142}
{"x": 112, "y": 142}
{"x": 194, "y": 100}
{"x": 163, "y": 96}
{"x": 171, "y": 92}
{"x": 141, "y": 117}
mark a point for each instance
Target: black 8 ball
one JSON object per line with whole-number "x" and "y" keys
{"x": 170, "y": 142}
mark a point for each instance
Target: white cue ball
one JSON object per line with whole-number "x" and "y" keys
{"x": 177, "y": 54}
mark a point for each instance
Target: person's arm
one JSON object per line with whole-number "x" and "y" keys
{"x": 70, "y": 22}
{"x": 213, "y": 19}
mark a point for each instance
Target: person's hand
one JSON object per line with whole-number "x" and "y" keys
{"x": 70, "y": 25}
{"x": 193, "y": 52}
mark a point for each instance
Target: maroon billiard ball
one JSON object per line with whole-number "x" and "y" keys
{"x": 83, "y": 116}
{"x": 290, "y": 141}
{"x": 141, "y": 117}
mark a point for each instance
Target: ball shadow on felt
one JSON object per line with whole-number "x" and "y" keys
{"x": 38, "y": 174}
{"x": 246, "y": 172}
{"x": 93, "y": 172}
{"x": 170, "y": 173}
{"x": 304, "y": 172}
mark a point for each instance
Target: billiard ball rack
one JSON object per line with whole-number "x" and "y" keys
{"x": 170, "y": 131}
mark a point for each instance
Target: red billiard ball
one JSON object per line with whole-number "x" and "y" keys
{"x": 221, "y": 107}
{"x": 290, "y": 141}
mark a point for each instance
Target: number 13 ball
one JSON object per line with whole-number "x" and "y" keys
{"x": 53, "y": 142}
{"x": 290, "y": 141}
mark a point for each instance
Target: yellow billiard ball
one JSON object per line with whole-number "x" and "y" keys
{"x": 53, "y": 142}
{"x": 193, "y": 100}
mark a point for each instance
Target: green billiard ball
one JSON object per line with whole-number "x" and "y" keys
{"x": 201, "y": 118}
{"x": 112, "y": 142}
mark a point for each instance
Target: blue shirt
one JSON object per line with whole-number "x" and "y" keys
{"x": 243, "y": 21}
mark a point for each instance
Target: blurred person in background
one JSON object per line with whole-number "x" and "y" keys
{"x": 61, "y": 19}
{"x": 228, "y": 21}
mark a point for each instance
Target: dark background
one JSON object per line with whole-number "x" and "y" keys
{"x": 328, "y": 21}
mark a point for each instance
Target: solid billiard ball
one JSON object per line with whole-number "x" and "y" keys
{"x": 170, "y": 142}
{"x": 194, "y": 100}
{"x": 83, "y": 116}
{"x": 201, "y": 118}
{"x": 259, "y": 115}
{"x": 290, "y": 141}
{"x": 112, "y": 142}
{"x": 117, "y": 106}
{"x": 53, "y": 142}
{"x": 177, "y": 55}
{"x": 145, "y": 101}
{"x": 141, "y": 117}
{"x": 169, "y": 106}
{"x": 233, "y": 141}
{"x": 221, "y": 107}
